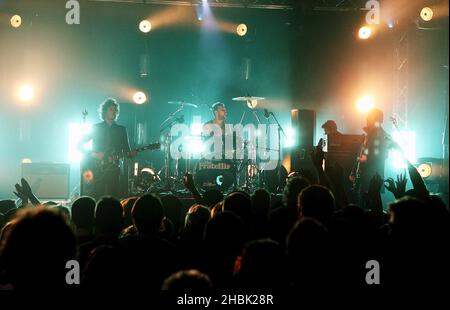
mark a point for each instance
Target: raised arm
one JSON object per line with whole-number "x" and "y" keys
{"x": 417, "y": 181}
{"x": 317, "y": 157}
{"x": 188, "y": 181}
{"x": 24, "y": 192}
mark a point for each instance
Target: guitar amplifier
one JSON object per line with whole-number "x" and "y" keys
{"x": 48, "y": 180}
{"x": 343, "y": 150}
{"x": 344, "y": 143}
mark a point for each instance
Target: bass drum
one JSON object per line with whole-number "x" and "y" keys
{"x": 275, "y": 179}
{"x": 214, "y": 175}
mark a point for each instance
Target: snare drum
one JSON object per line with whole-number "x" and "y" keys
{"x": 210, "y": 174}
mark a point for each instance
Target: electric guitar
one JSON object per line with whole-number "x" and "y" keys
{"x": 111, "y": 160}
{"x": 356, "y": 173}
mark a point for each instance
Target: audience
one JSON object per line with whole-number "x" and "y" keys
{"x": 308, "y": 241}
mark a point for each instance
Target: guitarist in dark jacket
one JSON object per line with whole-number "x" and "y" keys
{"x": 374, "y": 152}
{"x": 109, "y": 145}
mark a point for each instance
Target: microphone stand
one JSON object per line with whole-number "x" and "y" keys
{"x": 171, "y": 116}
{"x": 280, "y": 130}
{"x": 261, "y": 177}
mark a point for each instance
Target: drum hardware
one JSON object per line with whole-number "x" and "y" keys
{"x": 146, "y": 180}
{"x": 252, "y": 102}
{"x": 246, "y": 164}
{"x": 184, "y": 104}
{"x": 168, "y": 178}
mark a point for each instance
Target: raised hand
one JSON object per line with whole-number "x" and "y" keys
{"x": 417, "y": 181}
{"x": 401, "y": 184}
{"x": 20, "y": 193}
{"x": 26, "y": 188}
{"x": 390, "y": 186}
{"x": 397, "y": 188}
{"x": 25, "y": 193}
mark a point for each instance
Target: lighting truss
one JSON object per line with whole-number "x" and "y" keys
{"x": 315, "y": 5}
{"x": 250, "y": 4}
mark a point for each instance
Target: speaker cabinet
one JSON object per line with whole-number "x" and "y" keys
{"x": 48, "y": 180}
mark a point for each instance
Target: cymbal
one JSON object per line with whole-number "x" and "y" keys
{"x": 248, "y": 98}
{"x": 183, "y": 103}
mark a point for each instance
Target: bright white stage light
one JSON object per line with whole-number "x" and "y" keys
{"x": 145, "y": 26}
{"x": 426, "y": 14}
{"x": 76, "y": 132}
{"x": 139, "y": 97}
{"x": 364, "y": 32}
{"x": 407, "y": 142}
{"x": 26, "y": 92}
{"x": 16, "y": 21}
{"x": 241, "y": 30}
{"x": 365, "y": 104}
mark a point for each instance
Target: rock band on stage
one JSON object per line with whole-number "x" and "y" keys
{"x": 105, "y": 171}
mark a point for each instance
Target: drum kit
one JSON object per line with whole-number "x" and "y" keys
{"x": 219, "y": 174}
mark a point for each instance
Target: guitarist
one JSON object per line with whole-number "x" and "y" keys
{"x": 109, "y": 144}
{"x": 374, "y": 152}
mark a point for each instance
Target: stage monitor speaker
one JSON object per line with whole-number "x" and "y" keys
{"x": 303, "y": 124}
{"x": 48, "y": 180}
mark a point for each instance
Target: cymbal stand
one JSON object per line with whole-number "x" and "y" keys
{"x": 167, "y": 125}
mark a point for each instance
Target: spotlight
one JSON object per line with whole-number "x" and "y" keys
{"x": 16, "y": 21}
{"x": 26, "y": 92}
{"x": 426, "y": 14}
{"x": 364, "y": 32}
{"x": 365, "y": 104}
{"x": 199, "y": 12}
{"x": 406, "y": 140}
{"x": 139, "y": 97}
{"x": 194, "y": 146}
{"x": 241, "y": 30}
{"x": 145, "y": 26}
{"x": 26, "y": 161}
{"x": 425, "y": 170}
{"x": 76, "y": 133}
{"x": 431, "y": 169}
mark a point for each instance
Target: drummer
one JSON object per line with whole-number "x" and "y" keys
{"x": 220, "y": 115}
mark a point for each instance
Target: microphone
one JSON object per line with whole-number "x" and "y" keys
{"x": 266, "y": 113}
